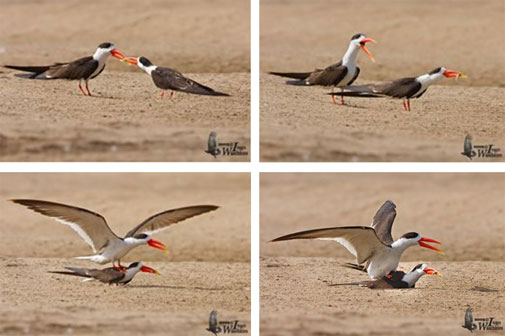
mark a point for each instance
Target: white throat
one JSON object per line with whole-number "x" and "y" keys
{"x": 351, "y": 54}
{"x": 428, "y": 79}
{"x": 130, "y": 273}
{"x": 412, "y": 277}
{"x": 149, "y": 69}
{"x": 101, "y": 55}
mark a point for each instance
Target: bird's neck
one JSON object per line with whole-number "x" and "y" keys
{"x": 412, "y": 277}
{"x": 101, "y": 55}
{"x": 130, "y": 241}
{"x": 150, "y": 69}
{"x": 350, "y": 55}
{"x": 129, "y": 273}
{"x": 401, "y": 245}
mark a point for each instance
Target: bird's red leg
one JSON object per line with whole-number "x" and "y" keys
{"x": 342, "y": 97}
{"x": 404, "y": 105}
{"x": 87, "y": 88}
{"x": 80, "y": 87}
{"x": 408, "y": 103}
{"x": 162, "y": 93}
{"x": 171, "y": 94}
{"x": 333, "y": 97}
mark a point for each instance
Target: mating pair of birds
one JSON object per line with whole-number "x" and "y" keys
{"x": 106, "y": 245}
{"x": 343, "y": 74}
{"x": 90, "y": 67}
{"x": 375, "y": 250}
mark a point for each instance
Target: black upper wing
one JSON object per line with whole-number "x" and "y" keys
{"x": 383, "y": 222}
{"x": 169, "y": 79}
{"x": 400, "y": 88}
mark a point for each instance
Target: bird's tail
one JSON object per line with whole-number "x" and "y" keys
{"x": 365, "y": 91}
{"x": 294, "y": 75}
{"x": 217, "y": 93}
{"x": 354, "y": 266}
{"x": 70, "y": 273}
{"x": 35, "y": 70}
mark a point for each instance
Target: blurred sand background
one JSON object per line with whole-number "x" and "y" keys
{"x": 414, "y": 37}
{"x": 126, "y": 121}
{"x": 466, "y": 212}
{"x": 208, "y": 267}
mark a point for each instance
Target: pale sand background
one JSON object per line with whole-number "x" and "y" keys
{"x": 301, "y": 124}
{"x": 208, "y": 267}
{"x": 126, "y": 121}
{"x": 466, "y": 212}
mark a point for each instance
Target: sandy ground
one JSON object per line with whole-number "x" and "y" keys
{"x": 464, "y": 211}
{"x": 300, "y": 124}
{"x": 52, "y": 121}
{"x": 208, "y": 267}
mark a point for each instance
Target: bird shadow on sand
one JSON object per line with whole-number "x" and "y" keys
{"x": 175, "y": 287}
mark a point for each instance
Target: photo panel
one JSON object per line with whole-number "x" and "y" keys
{"x": 312, "y": 285}
{"x": 182, "y": 240}
{"x": 373, "y": 80}
{"x": 125, "y": 80}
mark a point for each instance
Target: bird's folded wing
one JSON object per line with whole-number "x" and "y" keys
{"x": 90, "y": 226}
{"x": 383, "y": 222}
{"x": 107, "y": 275}
{"x": 361, "y": 241}
{"x": 164, "y": 219}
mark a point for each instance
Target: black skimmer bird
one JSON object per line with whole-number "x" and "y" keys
{"x": 109, "y": 275}
{"x": 170, "y": 79}
{"x": 372, "y": 245}
{"x": 106, "y": 245}
{"x": 84, "y": 68}
{"x": 403, "y": 88}
{"x": 396, "y": 279}
{"x": 339, "y": 74}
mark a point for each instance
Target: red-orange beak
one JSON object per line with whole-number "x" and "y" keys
{"x": 364, "y": 48}
{"x": 131, "y": 60}
{"x": 148, "y": 269}
{"x": 428, "y": 270}
{"x": 117, "y": 54}
{"x": 422, "y": 242}
{"x": 454, "y": 74}
{"x": 157, "y": 245}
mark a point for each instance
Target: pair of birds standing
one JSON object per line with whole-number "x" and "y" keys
{"x": 90, "y": 67}
{"x": 106, "y": 245}
{"x": 375, "y": 250}
{"x": 343, "y": 74}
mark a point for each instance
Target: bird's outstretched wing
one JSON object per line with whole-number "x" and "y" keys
{"x": 164, "y": 219}
{"x": 361, "y": 241}
{"x": 90, "y": 226}
{"x": 383, "y": 222}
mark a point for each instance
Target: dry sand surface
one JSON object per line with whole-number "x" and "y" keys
{"x": 301, "y": 124}
{"x": 464, "y": 211}
{"x": 126, "y": 121}
{"x": 208, "y": 267}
